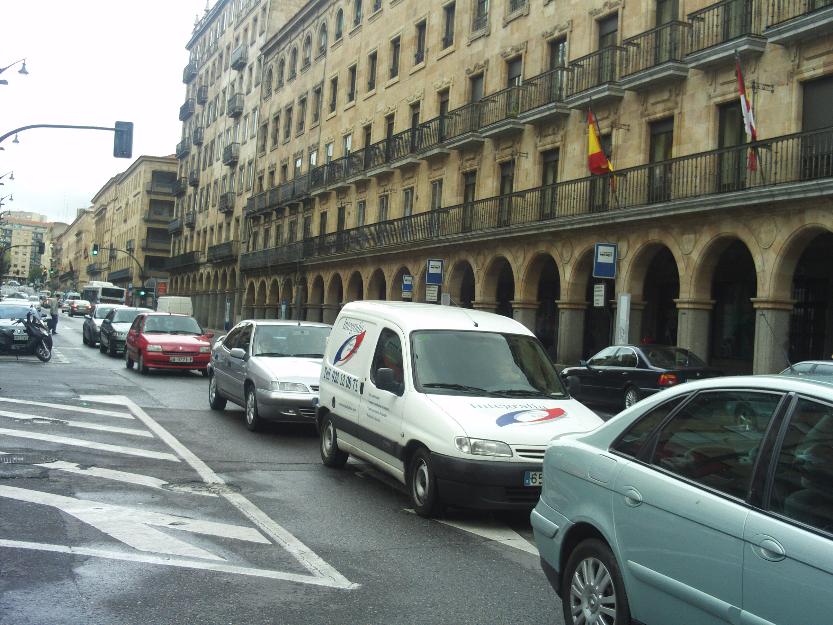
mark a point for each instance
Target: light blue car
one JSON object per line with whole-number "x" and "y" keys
{"x": 708, "y": 503}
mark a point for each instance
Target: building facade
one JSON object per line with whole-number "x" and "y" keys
{"x": 73, "y": 249}
{"x": 390, "y": 133}
{"x": 21, "y": 235}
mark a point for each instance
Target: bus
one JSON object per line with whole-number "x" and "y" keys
{"x": 97, "y": 292}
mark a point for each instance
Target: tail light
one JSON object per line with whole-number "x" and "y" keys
{"x": 667, "y": 379}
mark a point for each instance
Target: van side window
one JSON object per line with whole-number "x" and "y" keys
{"x": 388, "y": 355}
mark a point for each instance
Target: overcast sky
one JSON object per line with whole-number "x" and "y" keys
{"x": 90, "y": 62}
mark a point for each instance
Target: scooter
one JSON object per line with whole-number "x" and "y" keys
{"x": 35, "y": 339}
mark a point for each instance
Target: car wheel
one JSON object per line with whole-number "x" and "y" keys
{"x": 204, "y": 372}
{"x": 84, "y": 337}
{"x": 140, "y": 365}
{"x": 252, "y": 415}
{"x": 592, "y": 588}
{"x": 101, "y": 347}
{"x": 631, "y": 396}
{"x": 422, "y": 484}
{"x": 128, "y": 361}
{"x": 214, "y": 399}
{"x": 331, "y": 455}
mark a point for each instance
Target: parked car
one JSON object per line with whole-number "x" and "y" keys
{"x": 79, "y": 307}
{"x": 92, "y": 323}
{"x": 271, "y": 368}
{"x": 167, "y": 341}
{"x": 69, "y": 297}
{"x": 621, "y": 375}
{"x": 114, "y": 328}
{"x": 680, "y": 511}
{"x": 821, "y": 369}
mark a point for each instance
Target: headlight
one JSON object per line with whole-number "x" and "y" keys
{"x": 289, "y": 387}
{"x": 480, "y": 447}
{"x": 154, "y": 348}
{"x": 205, "y": 349}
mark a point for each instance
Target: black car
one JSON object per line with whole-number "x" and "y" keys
{"x": 113, "y": 331}
{"x": 621, "y": 375}
{"x": 93, "y": 321}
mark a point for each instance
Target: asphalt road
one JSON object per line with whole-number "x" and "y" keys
{"x": 124, "y": 499}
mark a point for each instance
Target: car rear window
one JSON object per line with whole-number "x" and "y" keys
{"x": 672, "y": 358}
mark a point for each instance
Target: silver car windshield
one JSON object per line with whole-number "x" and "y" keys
{"x": 452, "y": 362}
{"x": 290, "y": 341}
{"x": 101, "y": 312}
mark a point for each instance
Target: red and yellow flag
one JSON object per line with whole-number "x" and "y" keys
{"x": 597, "y": 160}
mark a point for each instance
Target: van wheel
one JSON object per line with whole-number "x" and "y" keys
{"x": 331, "y": 455}
{"x": 592, "y": 586}
{"x": 422, "y": 484}
{"x": 253, "y": 421}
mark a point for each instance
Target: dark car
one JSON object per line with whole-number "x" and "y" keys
{"x": 113, "y": 331}
{"x": 93, "y": 321}
{"x": 621, "y": 375}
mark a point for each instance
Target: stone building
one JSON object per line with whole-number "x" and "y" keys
{"x": 390, "y": 133}
{"x": 21, "y": 235}
{"x": 73, "y": 249}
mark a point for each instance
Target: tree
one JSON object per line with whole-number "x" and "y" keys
{"x": 35, "y": 274}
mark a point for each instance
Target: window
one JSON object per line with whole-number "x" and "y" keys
{"x": 276, "y": 123}
{"x": 367, "y": 131}
{"x": 347, "y": 144}
{"x": 469, "y": 187}
{"x": 250, "y": 174}
{"x": 313, "y": 157}
{"x": 481, "y": 15}
{"x": 394, "y": 57}
{"x": 407, "y": 201}
{"x": 302, "y": 114}
{"x": 351, "y": 83}
{"x": 633, "y": 439}
{"x": 328, "y": 151}
{"x": 287, "y": 124}
{"x": 476, "y": 88}
{"x": 267, "y": 87}
{"x": 804, "y": 467}
{"x": 549, "y": 176}
{"x": 307, "y": 58}
{"x": 281, "y": 70}
{"x": 339, "y": 29}
{"x": 436, "y": 194}
{"x": 293, "y": 63}
{"x": 357, "y": 12}
{"x": 261, "y": 139}
{"x": 448, "y": 25}
{"x": 388, "y": 355}
{"x": 514, "y": 72}
{"x": 316, "y": 104}
{"x": 333, "y": 94}
{"x": 361, "y": 205}
{"x": 299, "y": 162}
{"x": 284, "y": 172}
{"x": 383, "y": 207}
{"x": 371, "y": 71}
{"x": 322, "y": 224}
{"x": 714, "y": 439}
{"x": 659, "y": 151}
{"x": 322, "y": 39}
{"x": 419, "y": 54}
{"x": 557, "y": 53}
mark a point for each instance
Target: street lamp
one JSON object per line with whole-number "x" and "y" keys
{"x": 11, "y": 177}
{"x": 23, "y": 71}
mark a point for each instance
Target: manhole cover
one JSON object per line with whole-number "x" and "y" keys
{"x": 25, "y": 459}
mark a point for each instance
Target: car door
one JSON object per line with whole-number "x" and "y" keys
{"x": 621, "y": 374}
{"x": 788, "y": 551}
{"x": 237, "y": 366}
{"x": 591, "y": 377}
{"x": 106, "y": 329}
{"x": 381, "y": 410}
{"x": 680, "y": 510}
{"x": 131, "y": 342}
{"x": 221, "y": 359}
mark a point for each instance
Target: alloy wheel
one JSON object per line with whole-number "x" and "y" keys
{"x": 421, "y": 481}
{"x": 592, "y": 594}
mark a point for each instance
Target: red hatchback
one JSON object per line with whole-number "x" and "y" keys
{"x": 167, "y": 341}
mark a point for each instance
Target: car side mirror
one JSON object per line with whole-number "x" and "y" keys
{"x": 583, "y": 363}
{"x": 239, "y": 353}
{"x": 386, "y": 382}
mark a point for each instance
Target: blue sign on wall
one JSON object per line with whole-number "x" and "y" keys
{"x": 434, "y": 275}
{"x": 604, "y": 260}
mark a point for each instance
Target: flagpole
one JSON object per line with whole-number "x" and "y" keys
{"x": 747, "y": 111}
{"x": 612, "y": 181}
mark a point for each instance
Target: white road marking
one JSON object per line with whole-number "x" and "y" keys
{"x": 107, "y": 413}
{"x": 117, "y": 476}
{"x": 131, "y": 525}
{"x": 494, "y": 531}
{"x": 77, "y": 442}
{"x": 303, "y": 554}
{"x": 166, "y": 561}
{"x": 86, "y": 425}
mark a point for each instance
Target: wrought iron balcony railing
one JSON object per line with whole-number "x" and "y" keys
{"x": 156, "y": 245}
{"x": 231, "y": 154}
{"x": 187, "y": 109}
{"x": 175, "y": 226}
{"x": 780, "y": 11}
{"x": 183, "y": 261}
{"x": 202, "y": 94}
{"x": 226, "y": 202}
{"x": 194, "y": 178}
{"x": 663, "y": 44}
{"x": 721, "y": 22}
{"x": 161, "y": 187}
{"x": 180, "y": 186}
{"x": 595, "y": 69}
{"x": 190, "y": 218}
{"x": 235, "y": 105}
{"x": 240, "y": 56}
{"x": 222, "y": 252}
{"x": 198, "y": 136}
{"x": 501, "y": 105}
{"x": 189, "y": 72}
{"x": 183, "y": 148}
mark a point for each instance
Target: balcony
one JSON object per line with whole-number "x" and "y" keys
{"x": 240, "y": 56}
{"x": 236, "y": 103}
{"x": 156, "y": 245}
{"x": 202, "y": 94}
{"x": 183, "y": 148}
{"x": 180, "y": 186}
{"x": 183, "y": 261}
{"x": 120, "y": 274}
{"x": 161, "y": 187}
{"x": 158, "y": 216}
{"x": 198, "y": 136}
{"x": 223, "y": 252}
{"x": 542, "y": 98}
{"x": 595, "y": 78}
{"x": 189, "y": 72}
{"x": 426, "y": 140}
{"x": 94, "y": 269}
{"x": 226, "y": 202}
{"x": 231, "y": 154}
{"x": 190, "y": 218}
{"x": 720, "y": 30}
{"x": 273, "y": 257}
{"x": 187, "y": 109}
{"x": 500, "y": 112}
{"x": 461, "y": 128}
{"x": 130, "y": 245}
{"x": 655, "y": 57}
{"x": 175, "y": 226}
{"x": 793, "y": 20}
{"x": 194, "y": 178}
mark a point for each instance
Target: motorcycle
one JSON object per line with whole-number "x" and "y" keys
{"x": 34, "y": 339}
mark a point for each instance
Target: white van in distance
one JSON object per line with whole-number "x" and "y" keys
{"x": 175, "y": 304}
{"x": 457, "y": 404}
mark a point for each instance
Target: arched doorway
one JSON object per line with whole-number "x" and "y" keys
{"x": 732, "y": 337}
{"x": 272, "y": 302}
{"x": 377, "y": 286}
{"x": 500, "y": 280}
{"x": 396, "y": 285}
{"x": 461, "y": 284}
{"x": 544, "y": 278}
{"x": 316, "y": 299}
{"x": 300, "y": 301}
{"x": 260, "y": 300}
{"x": 355, "y": 287}
{"x": 287, "y": 302}
{"x": 812, "y": 290}
{"x": 661, "y": 288}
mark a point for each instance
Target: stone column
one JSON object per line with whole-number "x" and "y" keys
{"x": 570, "y": 338}
{"x": 271, "y": 311}
{"x": 635, "y": 320}
{"x": 330, "y": 312}
{"x": 314, "y": 312}
{"x": 693, "y": 320}
{"x": 525, "y": 313}
{"x": 772, "y": 334}
{"x": 211, "y": 317}
{"x": 486, "y": 305}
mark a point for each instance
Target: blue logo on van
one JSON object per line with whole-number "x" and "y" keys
{"x": 349, "y": 348}
{"x": 530, "y": 416}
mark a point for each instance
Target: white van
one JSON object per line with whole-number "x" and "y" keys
{"x": 457, "y": 404}
{"x": 175, "y": 304}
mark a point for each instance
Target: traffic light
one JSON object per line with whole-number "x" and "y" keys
{"x": 141, "y": 291}
{"x": 95, "y": 249}
{"x": 123, "y": 140}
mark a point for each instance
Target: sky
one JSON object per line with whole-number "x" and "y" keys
{"x": 90, "y": 62}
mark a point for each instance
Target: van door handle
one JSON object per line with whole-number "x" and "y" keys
{"x": 769, "y": 549}
{"x": 633, "y": 497}
{"x": 361, "y": 388}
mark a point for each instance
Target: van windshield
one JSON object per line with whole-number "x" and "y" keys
{"x": 458, "y": 362}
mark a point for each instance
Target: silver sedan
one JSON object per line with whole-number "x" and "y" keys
{"x": 269, "y": 367}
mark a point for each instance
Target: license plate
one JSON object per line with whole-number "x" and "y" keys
{"x": 21, "y": 338}
{"x": 182, "y": 359}
{"x": 533, "y": 478}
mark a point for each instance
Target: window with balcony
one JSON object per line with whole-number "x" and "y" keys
{"x": 659, "y": 150}
{"x": 514, "y": 72}
{"x": 293, "y": 63}
{"x": 608, "y": 38}
{"x": 302, "y": 114}
{"x": 284, "y": 172}
{"x": 361, "y": 207}
{"x": 383, "y": 207}
{"x": 419, "y": 52}
{"x": 316, "y": 104}
{"x": 250, "y": 172}
{"x": 351, "y": 83}
{"x": 357, "y": 12}
{"x": 322, "y": 39}
{"x": 299, "y": 164}
{"x": 549, "y": 176}
{"x": 395, "y": 45}
{"x": 732, "y": 166}
{"x": 476, "y": 88}
{"x": 267, "y": 83}
{"x": 333, "y": 94}
{"x": 480, "y": 19}
{"x": 276, "y": 129}
{"x": 339, "y": 28}
{"x": 287, "y": 124}
{"x": 328, "y": 151}
{"x": 371, "y": 71}
{"x": 367, "y": 132}
{"x": 436, "y": 194}
{"x": 261, "y": 138}
{"x": 322, "y": 224}
{"x": 313, "y": 158}
{"x": 307, "y": 58}
{"x": 448, "y": 24}
{"x": 281, "y": 71}
{"x": 407, "y": 201}
{"x": 347, "y": 144}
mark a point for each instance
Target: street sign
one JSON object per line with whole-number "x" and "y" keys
{"x": 604, "y": 260}
{"x": 432, "y": 292}
{"x": 407, "y": 287}
{"x": 623, "y": 318}
{"x": 434, "y": 275}
{"x": 599, "y": 295}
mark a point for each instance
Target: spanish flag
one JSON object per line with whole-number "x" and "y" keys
{"x": 597, "y": 160}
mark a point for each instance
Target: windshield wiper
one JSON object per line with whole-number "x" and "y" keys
{"x": 519, "y": 392}
{"x": 457, "y": 387}
{"x": 308, "y": 355}
{"x": 278, "y": 354}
